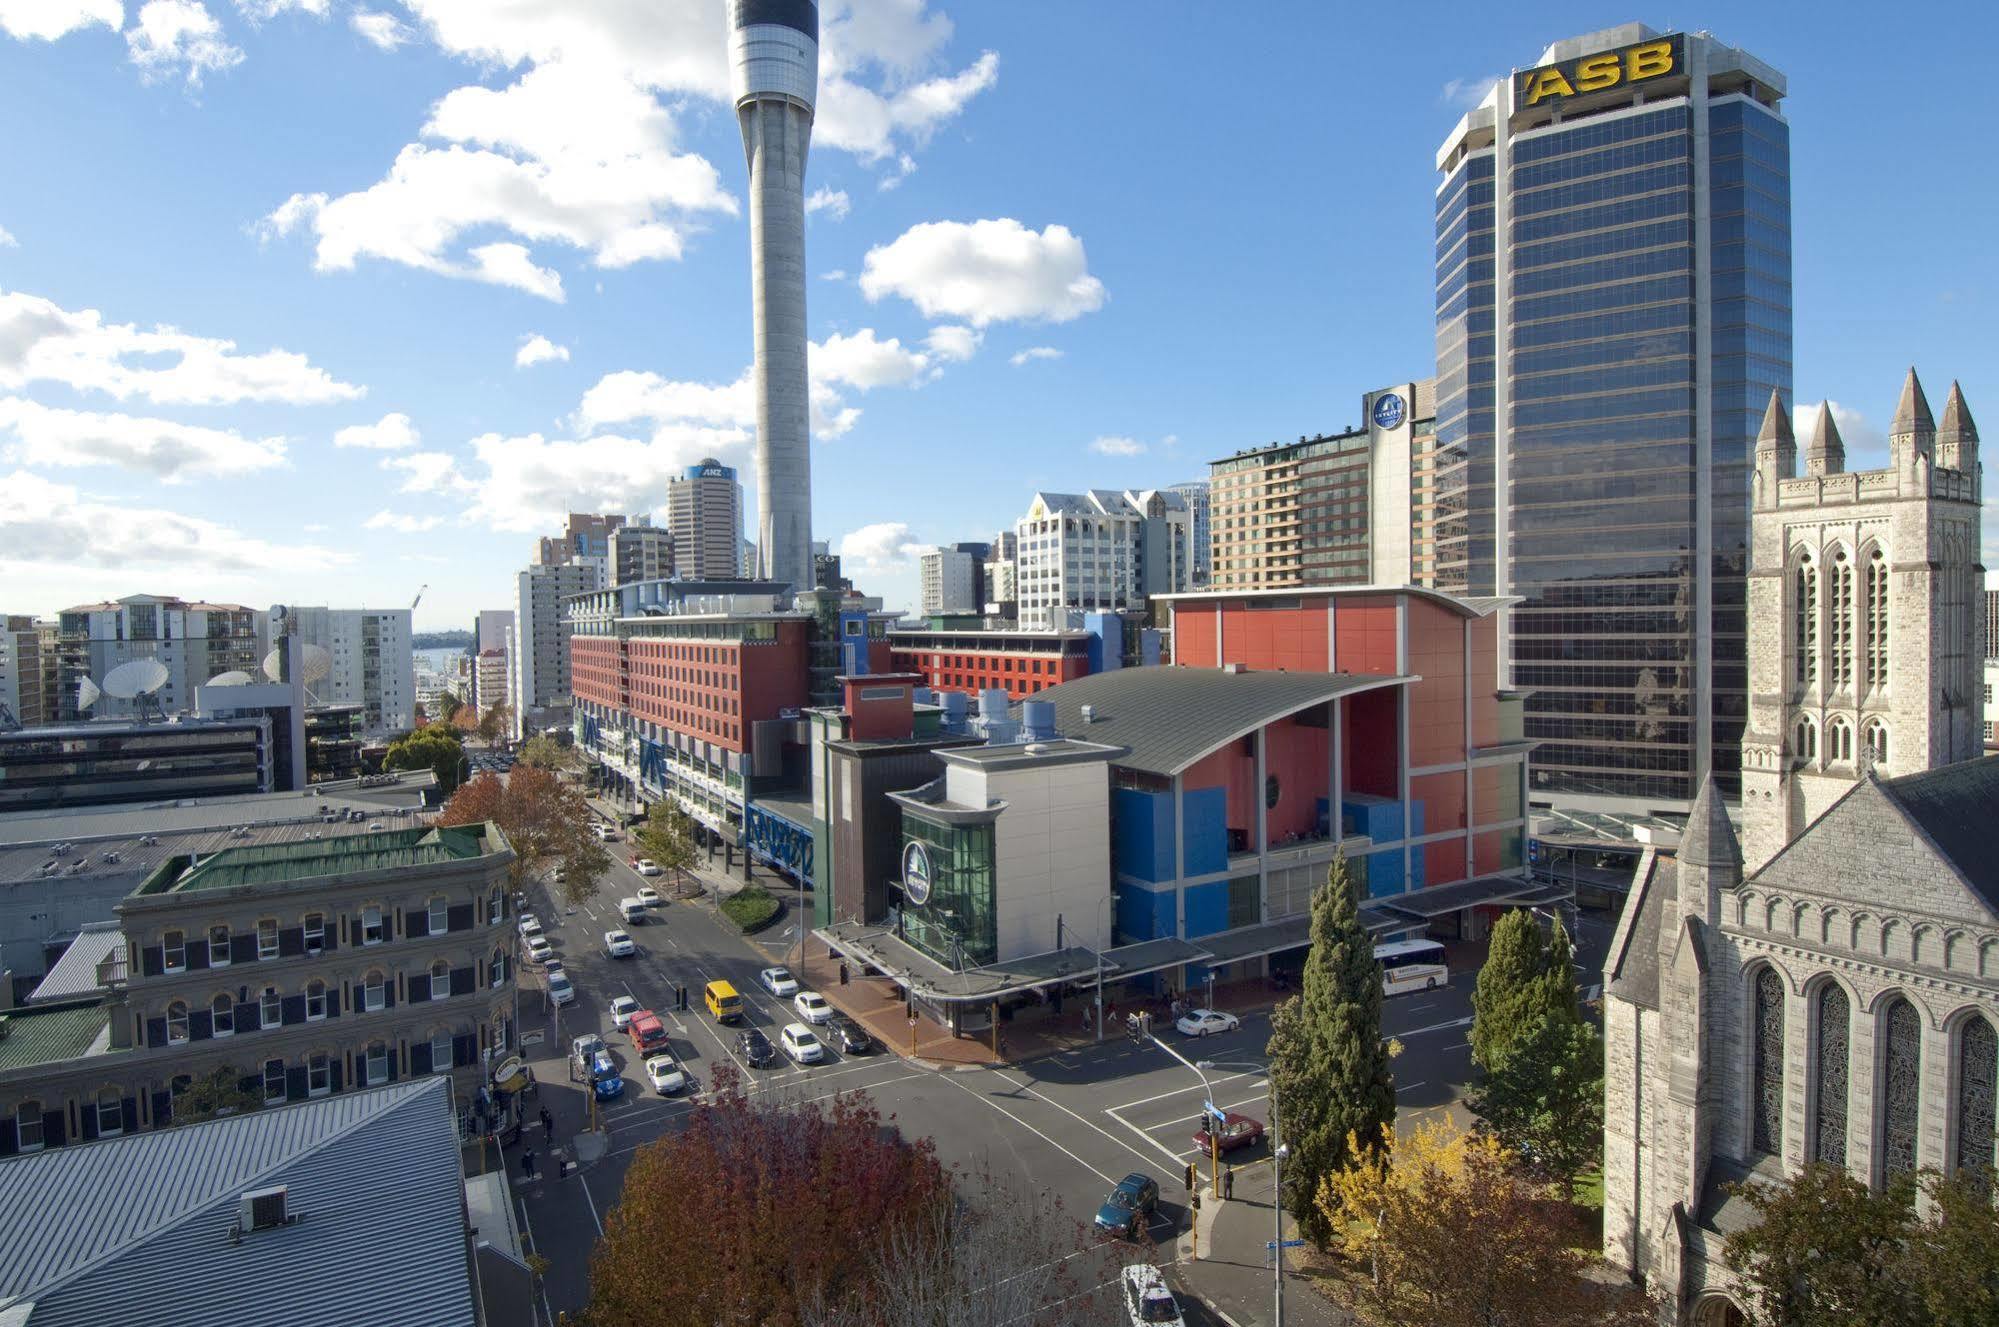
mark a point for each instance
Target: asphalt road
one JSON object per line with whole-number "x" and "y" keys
{"x": 1070, "y": 1124}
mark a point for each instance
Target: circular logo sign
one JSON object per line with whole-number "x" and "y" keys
{"x": 1388, "y": 409}
{"x": 916, "y": 873}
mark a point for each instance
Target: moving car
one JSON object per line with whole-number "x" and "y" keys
{"x": 539, "y": 949}
{"x": 622, "y": 1009}
{"x": 530, "y": 924}
{"x": 779, "y": 982}
{"x": 632, "y": 910}
{"x": 800, "y": 1044}
{"x": 812, "y": 1007}
{"x": 665, "y": 1074}
{"x": 725, "y": 1005}
{"x": 619, "y": 945}
{"x": 1205, "y": 1022}
{"x": 559, "y": 989}
{"x": 646, "y": 866}
{"x": 1237, "y": 1131}
{"x": 755, "y": 1048}
{"x": 649, "y": 896}
{"x": 648, "y": 1033}
{"x": 605, "y": 1080}
{"x": 853, "y": 1039}
{"x": 1128, "y": 1208}
{"x": 1147, "y": 1300}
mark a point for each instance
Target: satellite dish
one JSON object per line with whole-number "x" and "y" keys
{"x": 134, "y": 678}
{"x": 235, "y": 677}
{"x": 87, "y": 693}
{"x": 316, "y": 661}
{"x": 272, "y": 665}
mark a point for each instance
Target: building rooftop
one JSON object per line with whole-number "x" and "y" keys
{"x": 47, "y": 1035}
{"x": 1468, "y": 606}
{"x": 75, "y": 973}
{"x": 94, "y": 825}
{"x": 1168, "y": 718}
{"x": 138, "y": 1228}
{"x": 1953, "y": 807}
{"x": 290, "y": 863}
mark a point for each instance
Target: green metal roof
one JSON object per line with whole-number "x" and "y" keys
{"x": 282, "y": 863}
{"x": 55, "y": 1032}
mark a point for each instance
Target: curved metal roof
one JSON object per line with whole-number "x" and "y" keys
{"x": 1167, "y": 717}
{"x": 1463, "y": 605}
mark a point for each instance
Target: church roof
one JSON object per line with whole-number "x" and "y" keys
{"x": 1632, "y": 970}
{"x": 1957, "y": 419}
{"x": 1912, "y": 412}
{"x": 1709, "y": 839}
{"x": 1953, "y": 806}
{"x": 1825, "y": 435}
{"x": 1777, "y": 422}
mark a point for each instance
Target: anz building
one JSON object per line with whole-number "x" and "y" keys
{"x": 1613, "y": 312}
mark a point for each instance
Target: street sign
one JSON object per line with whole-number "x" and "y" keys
{"x": 531, "y": 1038}
{"x": 1288, "y": 1244}
{"x": 1208, "y": 1109}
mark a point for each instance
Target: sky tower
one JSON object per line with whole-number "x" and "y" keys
{"x": 774, "y": 67}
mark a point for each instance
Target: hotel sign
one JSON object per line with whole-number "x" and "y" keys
{"x": 916, "y": 873}
{"x": 1657, "y": 58}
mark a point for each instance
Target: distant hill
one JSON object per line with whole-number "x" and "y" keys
{"x": 440, "y": 640}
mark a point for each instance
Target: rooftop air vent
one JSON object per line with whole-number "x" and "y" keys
{"x": 264, "y": 1209}
{"x": 1233, "y": 668}
{"x": 1089, "y": 714}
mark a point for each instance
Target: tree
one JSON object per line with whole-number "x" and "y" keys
{"x": 546, "y": 823}
{"x": 667, "y": 837}
{"x": 435, "y": 747}
{"x": 1328, "y": 1064}
{"x": 544, "y": 752}
{"x": 494, "y": 721}
{"x": 1544, "y": 1099}
{"x": 447, "y": 705}
{"x": 1444, "y": 1231}
{"x": 1526, "y": 974}
{"x": 217, "y": 1093}
{"x": 787, "y": 1203}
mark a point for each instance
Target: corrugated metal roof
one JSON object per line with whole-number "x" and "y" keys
{"x": 57, "y": 1032}
{"x": 282, "y": 863}
{"x": 75, "y": 973}
{"x": 138, "y": 1228}
{"x": 85, "y": 824}
{"x": 136, "y": 859}
{"x": 1168, "y": 718}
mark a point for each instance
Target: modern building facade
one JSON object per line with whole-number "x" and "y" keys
{"x": 374, "y": 665}
{"x": 948, "y": 581}
{"x": 21, "y": 690}
{"x": 194, "y": 641}
{"x": 1201, "y": 558}
{"x": 1019, "y": 662}
{"x": 584, "y": 536}
{"x": 1866, "y": 602}
{"x": 1613, "y": 303}
{"x": 491, "y": 630}
{"x": 704, "y": 514}
{"x": 1078, "y": 551}
{"x": 540, "y": 659}
{"x": 108, "y": 760}
{"x": 641, "y": 551}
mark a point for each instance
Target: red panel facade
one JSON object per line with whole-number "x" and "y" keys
{"x": 711, "y": 689}
{"x": 1019, "y": 673}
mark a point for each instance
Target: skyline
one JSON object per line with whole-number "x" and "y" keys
{"x": 429, "y": 403}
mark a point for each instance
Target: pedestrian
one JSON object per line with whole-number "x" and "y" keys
{"x": 547, "y": 1122}
{"x": 1110, "y": 1009}
{"x": 527, "y": 1164}
{"x": 1228, "y": 1184}
{"x": 1086, "y": 1018}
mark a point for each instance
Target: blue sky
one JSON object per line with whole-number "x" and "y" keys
{"x": 235, "y": 229}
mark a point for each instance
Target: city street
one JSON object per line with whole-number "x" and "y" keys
{"x": 1071, "y": 1124}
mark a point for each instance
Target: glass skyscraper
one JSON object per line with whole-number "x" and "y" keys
{"x": 1613, "y": 310}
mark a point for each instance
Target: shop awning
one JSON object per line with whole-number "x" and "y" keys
{"x": 1423, "y": 904}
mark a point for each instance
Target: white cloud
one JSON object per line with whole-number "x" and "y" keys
{"x": 865, "y": 361}
{"x": 953, "y": 342}
{"x": 390, "y": 433}
{"x": 42, "y": 342}
{"x": 170, "y": 452}
{"x": 627, "y": 395}
{"x": 401, "y": 523}
{"x": 385, "y": 31}
{"x": 1117, "y": 446}
{"x": 832, "y": 201}
{"x": 985, "y": 272}
{"x": 47, "y": 528}
{"x": 1466, "y": 93}
{"x": 179, "y": 36}
{"x": 877, "y": 548}
{"x": 1866, "y": 442}
{"x": 507, "y": 264}
{"x": 837, "y": 274}
{"x": 1032, "y": 353}
{"x": 538, "y": 349}
{"x": 48, "y": 20}
{"x": 428, "y": 472}
{"x": 905, "y": 166}
{"x": 7, "y": 240}
{"x": 260, "y": 11}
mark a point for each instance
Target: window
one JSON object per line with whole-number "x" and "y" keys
{"x": 274, "y": 1082}
{"x": 28, "y": 1126}
{"x": 267, "y": 940}
{"x": 371, "y": 926}
{"x": 177, "y": 1023}
{"x": 440, "y": 980}
{"x": 224, "y": 1013}
{"x": 315, "y": 1001}
{"x": 110, "y": 1113}
{"x": 315, "y": 932}
{"x": 376, "y": 1065}
{"x": 440, "y": 1053}
{"x": 498, "y": 967}
{"x": 493, "y": 909}
{"x": 218, "y": 946}
{"x": 1828, "y": 1134}
{"x": 1977, "y": 1093}
{"x": 440, "y": 916}
{"x": 1838, "y": 740}
{"x": 1805, "y": 741}
{"x": 1901, "y": 1084}
{"x": 318, "y": 1074}
{"x": 1767, "y": 1066}
{"x": 373, "y": 993}
{"x": 270, "y": 1008}
{"x": 1874, "y": 738}
{"x": 1839, "y": 637}
{"x": 173, "y": 951}
{"x": 1877, "y": 620}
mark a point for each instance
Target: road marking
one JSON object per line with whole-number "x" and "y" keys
{"x": 584, "y": 1180}
{"x": 1181, "y": 1121}
{"x": 1411, "y": 1087}
{"x": 1161, "y": 1096}
{"x": 981, "y": 1096}
{"x": 520, "y": 1201}
{"x": 1435, "y": 1027}
{"x": 1163, "y": 1150}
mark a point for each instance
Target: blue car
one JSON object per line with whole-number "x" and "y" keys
{"x": 1129, "y": 1207}
{"x": 605, "y": 1080}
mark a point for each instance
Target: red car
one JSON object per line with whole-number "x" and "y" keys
{"x": 1237, "y": 1131}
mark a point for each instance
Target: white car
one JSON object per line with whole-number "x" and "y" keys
{"x": 530, "y": 924}
{"x": 539, "y": 949}
{"x": 619, "y": 945}
{"x": 1204, "y": 1022}
{"x": 649, "y": 896}
{"x": 646, "y": 866}
{"x": 812, "y": 1007}
{"x": 622, "y": 1009}
{"x": 801, "y": 1045}
{"x": 559, "y": 989}
{"x": 779, "y": 982}
{"x": 665, "y": 1074}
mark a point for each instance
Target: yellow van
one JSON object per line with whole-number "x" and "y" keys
{"x": 724, "y": 1004}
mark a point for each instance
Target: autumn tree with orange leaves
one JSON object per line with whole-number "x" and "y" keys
{"x": 546, "y": 821}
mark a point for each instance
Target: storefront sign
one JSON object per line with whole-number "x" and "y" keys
{"x": 1594, "y": 73}
{"x": 915, "y": 873}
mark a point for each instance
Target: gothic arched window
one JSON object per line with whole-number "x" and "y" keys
{"x": 1877, "y": 619}
{"x": 1838, "y": 740}
{"x": 1977, "y": 1096}
{"x": 1805, "y": 740}
{"x": 1839, "y": 638}
{"x": 1805, "y": 629}
{"x": 1875, "y": 738}
{"x": 1767, "y": 1091}
{"x": 1901, "y": 1088}
{"x": 1828, "y": 1136}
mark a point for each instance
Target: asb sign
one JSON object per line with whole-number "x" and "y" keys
{"x": 915, "y": 873}
{"x": 1594, "y": 73}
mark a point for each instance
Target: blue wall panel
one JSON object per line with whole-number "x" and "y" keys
{"x": 1143, "y": 845}
{"x": 1207, "y": 908}
{"x": 1207, "y": 832}
{"x": 1144, "y": 914}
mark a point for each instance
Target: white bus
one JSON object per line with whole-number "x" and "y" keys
{"x": 1412, "y": 965}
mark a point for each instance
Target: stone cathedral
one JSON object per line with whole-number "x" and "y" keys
{"x": 1825, "y": 985}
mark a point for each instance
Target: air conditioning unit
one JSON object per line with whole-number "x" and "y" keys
{"x": 263, "y": 1209}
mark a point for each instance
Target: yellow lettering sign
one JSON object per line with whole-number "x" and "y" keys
{"x": 1596, "y": 73}
{"x": 1599, "y": 71}
{"x": 1651, "y": 60}
{"x": 1544, "y": 83}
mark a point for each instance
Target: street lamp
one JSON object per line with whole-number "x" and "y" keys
{"x": 1279, "y": 1154}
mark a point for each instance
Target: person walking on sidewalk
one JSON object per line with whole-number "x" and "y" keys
{"x": 527, "y": 1164}
{"x": 547, "y": 1123}
{"x": 1228, "y": 1185}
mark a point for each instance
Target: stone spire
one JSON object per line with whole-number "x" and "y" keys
{"x": 1957, "y": 434}
{"x": 1913, "y": 432}
{"x": 1709, "y": 839}
{"x": 1826, "y": 454}
{"x": 1776, "y": 452}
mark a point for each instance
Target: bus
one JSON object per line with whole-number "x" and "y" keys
{"x": 1411, "y": 965}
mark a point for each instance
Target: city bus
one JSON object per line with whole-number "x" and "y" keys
{"x": 1411, "y": 965}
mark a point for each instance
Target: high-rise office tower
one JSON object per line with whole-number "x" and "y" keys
{"x": 704, "y": 513}
{"x": 774, "y": 63}
{"x": 1613, "y": 305}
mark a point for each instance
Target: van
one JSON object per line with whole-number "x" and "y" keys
{"x": 632, "y": 909}
{"x": 648, "y": 1033}
{"x": 723, "y": 1003}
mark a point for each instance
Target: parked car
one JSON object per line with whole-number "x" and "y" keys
{"x": 539, "y": 949}
{"x": 530, "y": 924}
{"x": 755, "y": 1048}
{"x": 649, "y": 896}
{"x": 1128, "y": 1208}
{"x": 619, "y": 945}
{"x": 665, "y": 1074}
{"x": 646, "y": 866}
{"x": 779, "y": 982}
{"x": 648, "y": 1033}
{"x": 800, "y": 1044}
{"x": 812, "y": 1007}
{"x": 605, "y": 1080}
{"x": 1206, "y": 1022}
{"x": 1147, "y": 1300}
{"x": 853, "y": 1039}
{"x": 622, "y": 1009}
{"x": 1237, "y": 1131}
{"x": 559, "y": 989}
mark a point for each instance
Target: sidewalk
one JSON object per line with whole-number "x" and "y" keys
{"x": 1232, "y": 1270}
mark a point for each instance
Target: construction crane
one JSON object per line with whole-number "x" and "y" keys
{"x": 419, "y": 595}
